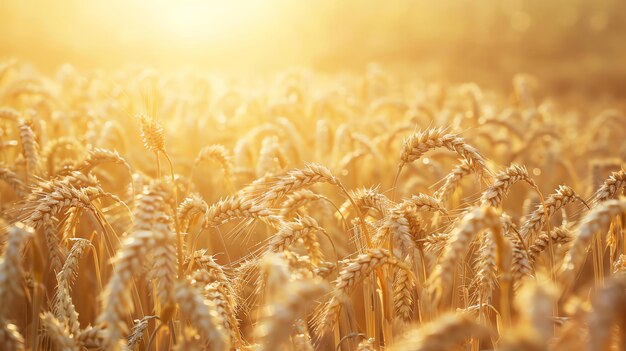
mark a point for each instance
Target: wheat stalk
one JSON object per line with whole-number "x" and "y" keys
{"x": 202, "y": 314}
{"x": 442, "y": 278}
{"x": 298, "y": 179}
{"x": 63, "y": 306}
{"x": 596, "y": 221}
{"x": 503, "y": 182}
{"x": 290, "y": 232}
{"x": 30, "y": 149}
{"x": 11, "y": 271}
{"x": 189, "y": 208}
{"x": 536, "y": 220}
{"x": 403, "y": 294}
{"x": 10, "y": 337}
{"x": 453, "y": 180}
{"x": 152, "y": 134}
{"x": 283, "y": 311}
{"x": 58, "y": 333}
{"x": 298, "y": 200}
{"x": 13, "y": 181}
{"x": 99, "y": 156}
{"x": 353, "y": 272}
{"x": 220, "y": 293}
{"x": 611, "y": 187}
{"x": 152, "y": 235}
{"x": 236, "y": 208}
{"x": 367, "y": 199}
{"x": 605, "y": 315}
{"x": 138, "y": 330}
{"x": 441, "y": 334}
{"x": 559, "y": 235}
{"x": 421, "y": 142}
{"x": 219, "y": 154}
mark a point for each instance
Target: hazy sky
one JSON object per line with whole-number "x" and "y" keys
{"x": 454, "y": 36}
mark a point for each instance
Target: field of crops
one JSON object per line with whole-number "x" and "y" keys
{"x": 306, "y": 212}
{"x": 275, "y": 175}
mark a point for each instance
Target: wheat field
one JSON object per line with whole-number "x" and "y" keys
{"x": 280, "y": 175}
{"x": 363, "y": 214}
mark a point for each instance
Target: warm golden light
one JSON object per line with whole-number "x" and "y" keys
{"x": 212, "y": 21}
{"x": 451, "y": 38}
{"x": 142, "y": 31}
{"x": 312, "y": 175}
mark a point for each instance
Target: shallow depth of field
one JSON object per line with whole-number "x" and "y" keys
{"x": 313, "y": 176}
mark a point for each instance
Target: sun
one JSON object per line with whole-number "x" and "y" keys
{"x": 204, "y": 20}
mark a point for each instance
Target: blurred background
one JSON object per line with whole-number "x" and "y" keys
{"x": 565, "y": 43}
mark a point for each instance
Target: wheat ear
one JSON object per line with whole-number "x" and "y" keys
{"x": 503, "y": 183}
{"x": 202, "y": 314}
{"x": 58, "y": 332}
{"x": 596, "y": 221}
{"x": 235, "y": 208}
{"x": 441, "y": 334}
{"x": 421, "y": 142}
{"x": 611, "y": 187}
{"x": 285, "y": 309}
{"x": 453, "y": 180}
{"x": 13, "y": 181}
{"x": 62, "y": 304}
{"x": 563, "y": 196}
{"x": 354, "y": 271}
{"x": 30, "y": 149}
{"x": 10, "y": 337}
{"x": 442, "y": 277}
{"x": 136, "y": 333}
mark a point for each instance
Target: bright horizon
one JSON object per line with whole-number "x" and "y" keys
{"x": 448, "y": 38}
